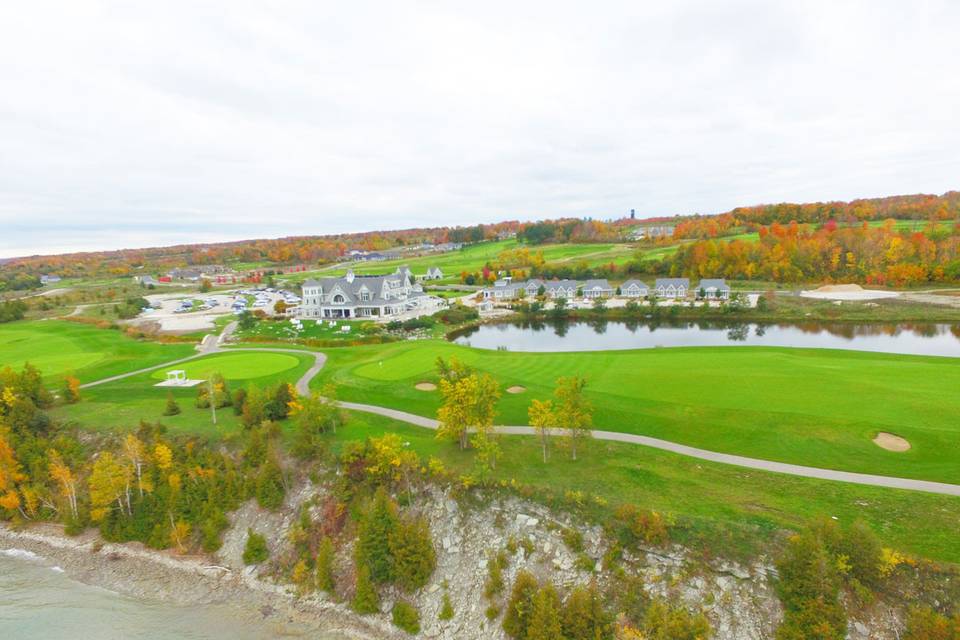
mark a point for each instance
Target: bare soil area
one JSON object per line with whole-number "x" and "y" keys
{"x": 891, "y": 442}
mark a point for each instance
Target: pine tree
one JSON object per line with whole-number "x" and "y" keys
{"x": 325, "y": 578}
{"x": 544, "y": 622}
{"x": 584, "y": 617}
{"x": 366, "y": 599}
{"x": 516, "y": 619}
{"x": 270, "y": 488}
{"x": 373, "y": 538}
{"x": 255, "y": 551}
{"x": 414, "y": 558}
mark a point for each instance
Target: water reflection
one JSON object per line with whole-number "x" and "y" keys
{"x": 602, "y": 335}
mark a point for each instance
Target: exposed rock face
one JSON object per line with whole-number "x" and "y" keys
{"x": 739, "y": 600}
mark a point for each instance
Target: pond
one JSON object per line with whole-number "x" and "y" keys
{"x": 601, "y": 335}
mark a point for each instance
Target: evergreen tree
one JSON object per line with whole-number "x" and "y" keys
{"x": 270, "y": 487}
{"x": 414, "y": 558}
{"x": 406, "y": 617}
{"x": 366, "y": 599}
{"x": 544, "y": 622}
{"x": 446, "y": 610}
{"x": 584, "y": 616}
{"x": 517, "y": 617}
{"x": 376, "y": 528}
{"x": 325, "y": 579}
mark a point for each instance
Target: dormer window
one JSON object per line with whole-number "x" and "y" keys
{"x": 338, "y": 299}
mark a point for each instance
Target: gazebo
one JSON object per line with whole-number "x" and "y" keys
{"x": 176, "y": 377}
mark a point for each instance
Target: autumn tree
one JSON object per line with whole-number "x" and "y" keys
{"x": 65, "y": 479}
{"x": 574, "y": 413}
{"x": 11, "y": 475}
{"x": 109, "y": 482}
{"x": 71, "y": 390}
{"x": 543, "y": 420}
{"x": 584, "y": 617}
{"x": 315, "y": 415}
{"x": 469, "y": 401}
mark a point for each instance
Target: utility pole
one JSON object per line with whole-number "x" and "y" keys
{"x": 213, "y": 400}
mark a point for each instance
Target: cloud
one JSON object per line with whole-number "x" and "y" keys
{"x": 132, "y": 124}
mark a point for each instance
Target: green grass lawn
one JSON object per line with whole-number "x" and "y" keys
{"x": 472, "y": 258}
{"x": 725, "y": 509}
{"x": 312, "y": 330}
{"x": 60, "y": 348}
{"x": 805, "y": 406}
{"x": 123, "y": 403}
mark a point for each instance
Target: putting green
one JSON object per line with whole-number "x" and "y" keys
{"x": 234, "y": 366}
{"x": 52, "y": 354}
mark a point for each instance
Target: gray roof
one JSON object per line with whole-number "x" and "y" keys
{"x": 557, "y": 284}
{"x": 713, "y": 283}
{"x": 676, "y": 282}
{"x": 627, "y": 284}
{"x": 351, "y": 290}
{"x": 597, "y": 284}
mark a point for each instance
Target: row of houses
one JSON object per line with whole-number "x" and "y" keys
{"x": 669, "y": 288}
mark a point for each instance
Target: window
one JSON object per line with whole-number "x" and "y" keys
{"x": 338, "y": 299}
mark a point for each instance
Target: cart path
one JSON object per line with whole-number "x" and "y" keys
{"x": 320, "y": 359}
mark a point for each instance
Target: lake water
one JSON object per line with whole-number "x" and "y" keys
{"x": 552, "y": 336}
{"x": 38, "y": 601}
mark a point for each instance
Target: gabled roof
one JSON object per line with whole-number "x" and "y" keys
{"x": 676, "y": 282}
{"x": 629, "y": 283}
{"x": 597, "y": 284}
{"x": 713, "y": 283}
{"x": 551, "y": 285}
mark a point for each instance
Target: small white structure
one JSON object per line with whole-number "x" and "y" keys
{"x": 178, "y": 378}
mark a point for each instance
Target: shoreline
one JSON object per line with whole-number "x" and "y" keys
{"x": 132, "y": 570}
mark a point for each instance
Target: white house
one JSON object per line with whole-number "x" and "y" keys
{"x": 433, "y": 273}
{"x": 354, "y": 296}
{"x": 672, "y": 287}
{"x": 561, "y": 289}
{"x": 597, "y": 289}
{"x": 634, "y": 289}
{"x": 713, "y": 288}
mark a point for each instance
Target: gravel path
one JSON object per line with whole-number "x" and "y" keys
{"x": 303, "y": 388}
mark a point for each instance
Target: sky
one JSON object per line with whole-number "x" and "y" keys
{"x": 132, "y": 124}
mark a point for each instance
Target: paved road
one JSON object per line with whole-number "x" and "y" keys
{"x": 303, "y": 388}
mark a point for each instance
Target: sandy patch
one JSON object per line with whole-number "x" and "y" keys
{"x": 851, "y": 292}
{"x": 426, "y": 386}
{"x": 516, "y": 389}
{"x": 891, "y": 442}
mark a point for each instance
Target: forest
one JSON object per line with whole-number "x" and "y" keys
{"x": 877, "y": 255}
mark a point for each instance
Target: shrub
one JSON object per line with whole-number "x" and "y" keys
{"x": 172, "y": 407}
{"x": 927, "y": 624}
{"x": 573, "y": 539}
{"x": 662, "y": 622}
{"x": 406, "y": 617}
{"x": 584, "y": 617}
{"x": 256, "y": 550}
{"x": 446, "y": 610}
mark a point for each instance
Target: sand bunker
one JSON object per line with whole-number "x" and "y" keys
{"x": 891, "y": 442}
{"x": 516, "y": 389}
{"x": 839, "y": 288}
{"x": 426, "y": 386}
{"x": 852, "y": 292}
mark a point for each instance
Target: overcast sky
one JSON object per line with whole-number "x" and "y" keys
{"x": 131, "y": 124}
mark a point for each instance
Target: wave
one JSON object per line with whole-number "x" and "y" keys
{"x": 21, "y": 554}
